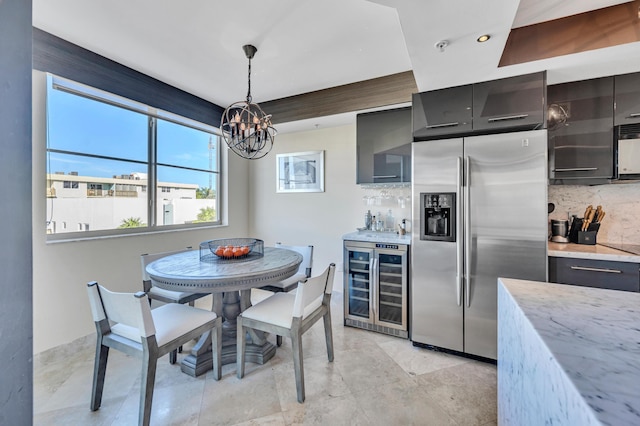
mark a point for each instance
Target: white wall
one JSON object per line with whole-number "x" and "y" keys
{"x": 61, "y": 270}
{"x": 316, "y": 218}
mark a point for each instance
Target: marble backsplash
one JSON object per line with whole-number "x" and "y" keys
{"x": 621, "y": 202}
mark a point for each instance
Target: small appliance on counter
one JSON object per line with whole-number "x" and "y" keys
{"x": 560, "y": 230}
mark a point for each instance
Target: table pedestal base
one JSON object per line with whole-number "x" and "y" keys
{"x": 257, "y": 349}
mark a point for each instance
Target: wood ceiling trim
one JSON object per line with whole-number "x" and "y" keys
{"x": 388, "y": 90}
{"x": 596, "y": 29}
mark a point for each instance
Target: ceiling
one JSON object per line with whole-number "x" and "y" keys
{"x": 309, "y": 45}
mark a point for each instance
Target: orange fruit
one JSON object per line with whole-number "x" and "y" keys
{"x": 219, "y": 251}
{"x": 246, "y": 250}
{"x": 228, "y": 252}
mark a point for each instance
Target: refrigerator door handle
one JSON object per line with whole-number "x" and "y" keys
{"x": 459, "y": 243}
{"x": 374, "y": 291}
{"x": 467, "y": 230}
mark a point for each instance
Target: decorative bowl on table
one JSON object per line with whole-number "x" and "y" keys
{"x": 231, "y": 249}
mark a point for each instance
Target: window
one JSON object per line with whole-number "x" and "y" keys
{"x": 133, "y": 164}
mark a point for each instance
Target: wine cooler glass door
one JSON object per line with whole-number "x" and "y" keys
{"x": 391, "y": 300}
{"x": 359, "y": 283}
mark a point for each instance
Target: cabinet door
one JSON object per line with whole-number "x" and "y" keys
{"x": 358, "y": 283}
{"x": 384, "y": 146}
{"x": 627, "y": 99}
{"x": 580, "y": 129}
{"x": 510, "y": 103}
{"x": 391, "y": 283}
{"x": 595, "y": 273}
{"x": 442, "y": 112}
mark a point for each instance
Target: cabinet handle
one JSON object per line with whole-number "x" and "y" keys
{"x": 383, "y": 176}
{"x": 634, "y": 115}
{"x": 584, "y": 268}
{"x": 436, "y": 126}
{"x": 509, "y": 117}
{"x": 577, "y": 169}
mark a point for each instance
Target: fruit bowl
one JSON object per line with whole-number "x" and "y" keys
{"x": 231, "y": 249}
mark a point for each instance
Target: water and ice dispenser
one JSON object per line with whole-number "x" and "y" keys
{"x": 437, "y": 216}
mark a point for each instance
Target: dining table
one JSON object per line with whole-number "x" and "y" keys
{"x": 230, "y": 282}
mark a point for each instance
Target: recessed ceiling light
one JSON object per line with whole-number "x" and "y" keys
{"x": 483, "y": 38}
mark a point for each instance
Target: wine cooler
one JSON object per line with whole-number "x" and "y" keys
{"x": 375, "y": 287}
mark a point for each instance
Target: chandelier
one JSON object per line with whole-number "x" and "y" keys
{"x": 246, "y": 129}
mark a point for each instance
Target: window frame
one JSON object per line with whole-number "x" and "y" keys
{"x": 151, "y": 189}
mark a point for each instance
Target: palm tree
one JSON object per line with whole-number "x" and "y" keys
{"x": 207, "y": 214}
{"x": 204, "y": 192}
{"x": 132, "y": 222}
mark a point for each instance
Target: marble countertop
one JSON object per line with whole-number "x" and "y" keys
{"x": 596, "y": 252}
{"x": 593, "y": 335}
{"x": 378, "y": 237}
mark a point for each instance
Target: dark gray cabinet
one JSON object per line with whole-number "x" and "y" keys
{"x": 384, "y": 146}
{"x": 595, "y": 273}
{"x": 627, "y": 99}
{"x": 504, "y": 105}
{"x": 442, "y": 112}
{"x": 516, "y": 103}
{"x": 580, "y": 130}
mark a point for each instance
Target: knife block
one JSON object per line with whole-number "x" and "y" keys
{"x": 587, "y": 237}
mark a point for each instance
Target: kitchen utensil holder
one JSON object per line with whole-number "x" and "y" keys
{"x": 588, "y": 237}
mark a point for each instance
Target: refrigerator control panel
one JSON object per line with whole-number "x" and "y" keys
{"x": 437, "y": 216}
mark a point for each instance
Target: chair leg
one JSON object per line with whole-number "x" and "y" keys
{"x": 216, "y": 343}
{"x": 298, "y": 365}
{"x": 279, "y": 341}
{"x": 173, "y": 356}
{"x": 328, "y": 334}
{"x": 149, "y": 363}
{"x": 241, "y": 337}
{"x": 99, "y": 369}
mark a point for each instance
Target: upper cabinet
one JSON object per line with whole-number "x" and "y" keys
{"x": 508, "y": 104}
{"x": 580, "y": 130}
{"x": 384, "y": 146}
{"x": 627, "y": 99}
{"x": 442, "y": 112}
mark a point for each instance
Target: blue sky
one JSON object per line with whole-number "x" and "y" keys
{"x": 83, "y": 125}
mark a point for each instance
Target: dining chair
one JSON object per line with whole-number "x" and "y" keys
{"x": 291, "y": 315}
{"x": 126, "y": 322}
{"x": 304, "y": 270}
{"x": 166, "y": 296}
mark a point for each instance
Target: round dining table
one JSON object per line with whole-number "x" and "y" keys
{"x": 230, "y": 282}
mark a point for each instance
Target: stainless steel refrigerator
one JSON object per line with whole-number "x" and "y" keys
{"x": 479, "y": 213}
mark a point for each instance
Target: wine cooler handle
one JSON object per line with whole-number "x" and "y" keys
{"x": 459, "y": 245}
{"x": 467, "y": 231}
{"x": 373, "y": 292}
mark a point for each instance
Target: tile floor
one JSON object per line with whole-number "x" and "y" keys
{"x": 374, "y": 380}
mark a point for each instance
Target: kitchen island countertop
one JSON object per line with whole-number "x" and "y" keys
{"x": 378, "y": 237}
{"x": 567, "y": 354}
{"x": 596, "y": 252}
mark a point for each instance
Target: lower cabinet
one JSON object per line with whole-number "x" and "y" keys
{"x": 595, "y": 273}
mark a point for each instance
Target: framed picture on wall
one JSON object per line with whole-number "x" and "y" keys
{"x": 300, "y": 172}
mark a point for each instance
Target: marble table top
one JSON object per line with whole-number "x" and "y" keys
{"x": 186, "y": 272}
{"x": 378, "y": 237}
{"x": 594, "y": 335}
{"x": 595, "y": 252}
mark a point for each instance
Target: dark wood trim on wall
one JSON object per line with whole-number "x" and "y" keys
{"x": 388, "y": 90}
{"x": 62, "y": 58}
{"x": 16, "y": 253}
{"x": 592, "y": 30}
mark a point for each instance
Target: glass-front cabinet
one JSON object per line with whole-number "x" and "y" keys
{"x": 376, "y": 278}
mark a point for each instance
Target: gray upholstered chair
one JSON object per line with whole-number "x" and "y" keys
{"x": 126, "y": 322}
{"x": 290, "y": 315}
{"x": 166, "y": 296}
{"x": 304, "y": 270}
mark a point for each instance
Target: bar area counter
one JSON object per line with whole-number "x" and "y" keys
{"x": 567, "y": 355}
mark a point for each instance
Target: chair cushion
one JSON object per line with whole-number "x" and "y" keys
{"x": 168, "y": 294}
{"x": 171, "y": 321}
{"x": 289, "y": 281}
{"x": 277, "y": 310}
{"x": 258, "y": 295}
